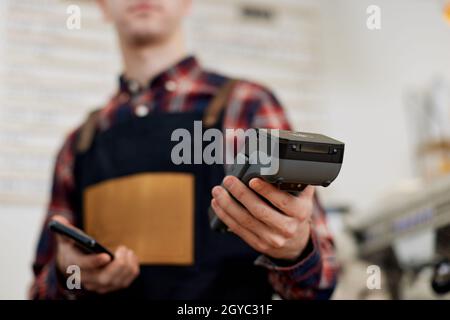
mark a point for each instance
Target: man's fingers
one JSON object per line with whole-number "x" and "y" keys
{"x": 133, "y": 269}
{"x": 294, "y": 206}
{"x": 117, "y": 275}
{"x": 239, "y": 230}
{"x": 258, "y": 208}
{"x": 308, "y": 193}
{"x": 239, "y": 213}
{"x": 134, "y": 262}
{"x": 91, "y": 261}
{"x": 239, "y": 190}
{"x": 115, "y": 268}
{"x": 279, "y": 198}
{"x": 101, "y": 280}
{"x": 89, "y": 279}
{"x": 123, "y": 269}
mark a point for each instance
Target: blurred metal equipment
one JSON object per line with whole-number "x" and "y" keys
{"x": 441, "y": 277}
{"x": 409, "y": 219}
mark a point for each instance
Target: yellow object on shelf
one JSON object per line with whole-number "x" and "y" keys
{"x": 447, "y": 12}
{"x": 434, "y": 157}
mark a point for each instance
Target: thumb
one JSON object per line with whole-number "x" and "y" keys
{"x": 308, "y": 193}
{"x": 61, "y": 219}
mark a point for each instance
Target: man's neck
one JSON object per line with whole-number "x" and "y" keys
{"x": 143, "y": 63}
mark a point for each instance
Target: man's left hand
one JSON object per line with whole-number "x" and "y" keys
{"x": 280, "y": 233}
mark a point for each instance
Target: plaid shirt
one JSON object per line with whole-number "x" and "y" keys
{"x": 179, "y": 89}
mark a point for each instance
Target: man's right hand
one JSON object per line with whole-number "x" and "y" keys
{"x": 98, "y": 273}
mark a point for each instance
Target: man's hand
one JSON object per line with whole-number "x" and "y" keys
{"x": 98, "y": 273}
{"x": 282, "y": 233}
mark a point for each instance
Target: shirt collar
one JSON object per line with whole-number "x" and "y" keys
{"x": 185, "y": 69}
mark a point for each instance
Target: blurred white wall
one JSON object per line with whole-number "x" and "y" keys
{"x": 350, "y": 84}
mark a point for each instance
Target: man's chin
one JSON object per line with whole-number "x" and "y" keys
{"x": 144, "y": 38}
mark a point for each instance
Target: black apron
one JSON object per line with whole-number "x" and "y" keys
{"x": 222, "y": 265}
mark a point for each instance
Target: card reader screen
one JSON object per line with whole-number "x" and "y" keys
{"x": 314, "y": 148}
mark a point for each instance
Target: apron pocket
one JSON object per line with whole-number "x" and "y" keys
{"x": 151, "y": 213}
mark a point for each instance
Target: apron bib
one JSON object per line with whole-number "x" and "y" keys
{"x": 130, "y": 192}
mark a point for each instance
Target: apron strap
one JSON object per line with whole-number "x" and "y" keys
{"x": 212, "y": 112}
{"x": 87, "y": 132}
{"x": 218, "y": 103}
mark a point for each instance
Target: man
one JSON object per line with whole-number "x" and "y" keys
{"x": 115, "y": 179}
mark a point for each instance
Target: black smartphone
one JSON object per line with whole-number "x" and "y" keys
{"x": 86, "y": 243}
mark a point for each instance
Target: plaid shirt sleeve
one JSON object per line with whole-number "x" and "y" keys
{"x": 314, "y": 276}
{"x": 48, "y": 282}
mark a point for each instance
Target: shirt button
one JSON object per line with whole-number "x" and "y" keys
{"x": 171, "y": 85}
{"x": 141, "y": 110}
{"x": 133, "y": 86}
